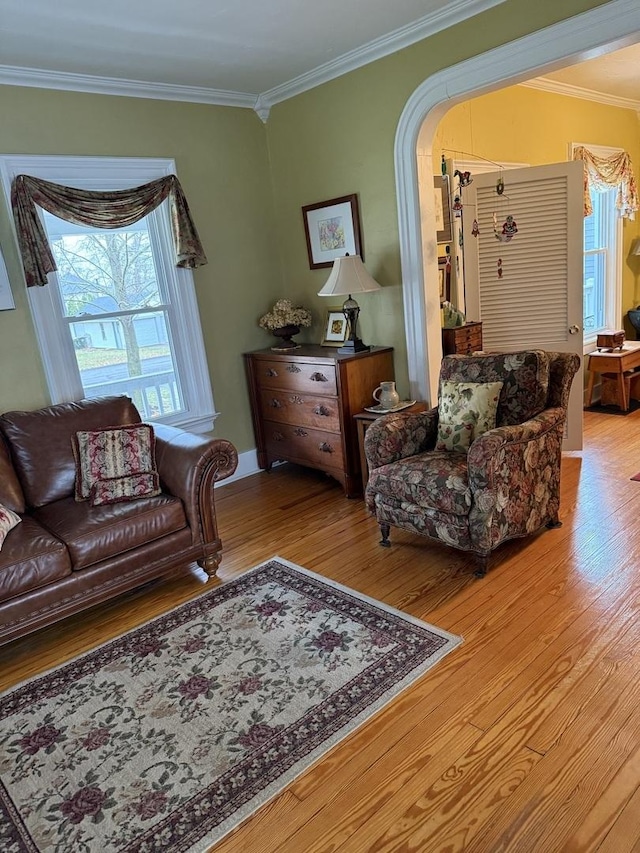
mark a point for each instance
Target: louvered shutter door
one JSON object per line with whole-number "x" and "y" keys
{"x": 538, "y": 298}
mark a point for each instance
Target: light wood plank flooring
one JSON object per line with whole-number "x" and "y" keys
{"x": 525, "y": 738}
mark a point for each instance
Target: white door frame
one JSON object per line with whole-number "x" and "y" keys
{"x": 605, "y": 28}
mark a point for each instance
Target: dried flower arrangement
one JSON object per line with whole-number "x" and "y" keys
{"x": 284, "y": 314}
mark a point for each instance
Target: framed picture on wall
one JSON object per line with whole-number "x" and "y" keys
{"x": 442, "y": 204}
{"x": 444, "y": 278}
{"x": 332, "y": 229}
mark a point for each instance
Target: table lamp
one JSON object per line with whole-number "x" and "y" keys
{"x": 348, "y": 276}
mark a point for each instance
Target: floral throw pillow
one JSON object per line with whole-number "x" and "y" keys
{"x": 8, "y": 520}
{"x": 113, "y": 454}
{"x": 116, "y": 489}
{"x": 465, "y": 411}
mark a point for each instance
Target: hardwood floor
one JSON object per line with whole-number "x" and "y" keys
{"x": 525, "y": 738}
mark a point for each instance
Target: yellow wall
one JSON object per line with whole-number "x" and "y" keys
{"x": 246, "y": 184}
{"x": 531, "y": 126}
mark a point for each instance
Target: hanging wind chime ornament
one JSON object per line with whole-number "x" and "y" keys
{"x": 475, "y": 228}
{"x": 464, "y": 178}
{"x": 457, "y": 207}
{"x": 507, "y": 232}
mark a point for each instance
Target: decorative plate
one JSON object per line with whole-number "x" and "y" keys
{"x": 380, "y": 410}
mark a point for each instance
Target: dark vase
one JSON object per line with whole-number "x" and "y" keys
{"x": 286, "y": 333}
{"x": 634, "y": 319}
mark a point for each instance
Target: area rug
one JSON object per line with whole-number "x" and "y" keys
{"x": 166, "y": 738}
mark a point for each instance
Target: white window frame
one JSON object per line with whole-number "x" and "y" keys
{"x": 59, "y": 360}
{"x": 613, "y": 270}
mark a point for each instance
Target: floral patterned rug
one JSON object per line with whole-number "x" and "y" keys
{"x": 166, "y": 738}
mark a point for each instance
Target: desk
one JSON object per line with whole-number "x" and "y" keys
{"x": 618, "y": 363}
{"x": 363, "y": 421}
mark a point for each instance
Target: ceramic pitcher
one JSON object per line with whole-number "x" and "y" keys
{"x": 386, "y": 395}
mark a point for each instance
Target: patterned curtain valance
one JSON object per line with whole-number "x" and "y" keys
{"x": 603, "y": 173}
{"x": 115, "y": 209}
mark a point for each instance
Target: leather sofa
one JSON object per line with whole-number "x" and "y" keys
{"x": 66, "y": 555}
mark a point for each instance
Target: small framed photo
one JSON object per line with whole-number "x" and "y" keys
{"x": 444, "y": 278}
{"x": 332, "y": 229}
{"x": 441, "y": 199}
{"x": 335, "y": 329}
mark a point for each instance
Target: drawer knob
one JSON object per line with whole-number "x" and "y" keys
{"x": 322, "y": 411}
{"x": 271, "y": 372}
{"x": 325, "y": 448}
{"x": 318, "y": 377}
{"x": 293, "y": 368}
{"x": 275, "y": 404}
{"x": 297, "y": 400}
{"x": 278, "y": 436}
{"x": 301, "y": 432}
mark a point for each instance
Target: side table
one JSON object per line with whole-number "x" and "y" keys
{"x": 363, "y": 421}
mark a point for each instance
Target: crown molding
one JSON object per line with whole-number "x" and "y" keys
{"x": 545, "y": 84}
{"x": 376, "y": 49}
{"x": 38, "y": 79}
{"x": 261, "y": 103}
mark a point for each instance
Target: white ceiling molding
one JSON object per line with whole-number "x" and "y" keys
{"x": 590, "y": 34}
{"x": 545, "y": 84}
{"x": 35, "y": 78}
{"x": 432, "y": 23}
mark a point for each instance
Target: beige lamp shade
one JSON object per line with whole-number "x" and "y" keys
{"x": 349, "y": 275}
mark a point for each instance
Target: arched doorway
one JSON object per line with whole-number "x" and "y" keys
{"x": 600, "y": 30}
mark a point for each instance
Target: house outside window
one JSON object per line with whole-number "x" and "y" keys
{"x": 118, "y": 317}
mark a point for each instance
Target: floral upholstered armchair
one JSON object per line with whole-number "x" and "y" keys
{"x": 484, "y": 466}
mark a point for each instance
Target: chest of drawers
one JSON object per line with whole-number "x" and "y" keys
{"x": 462, "y": 340}
{"x": 303, "y": 402}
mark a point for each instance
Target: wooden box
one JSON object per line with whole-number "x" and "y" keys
{"x": 610, "y": 340}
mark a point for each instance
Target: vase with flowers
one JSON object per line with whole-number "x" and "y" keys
{"x": 284, "y": 321}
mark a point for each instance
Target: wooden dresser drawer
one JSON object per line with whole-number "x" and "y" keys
{"x": 298, "y": 376}
{"x": 300, "y": 409}
{"x": 301, "y": 444}
{"x": 462, "y": 340}
{"x": 303, "y": 402}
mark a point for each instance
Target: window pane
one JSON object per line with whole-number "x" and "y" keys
{"x": 594, "y": 291}
{"x": 128, "y": 355}
{"x": 102, "y": 271}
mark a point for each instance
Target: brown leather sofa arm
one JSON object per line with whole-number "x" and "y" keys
{"x": 189, "y": 464}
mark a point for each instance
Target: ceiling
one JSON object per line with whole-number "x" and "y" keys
{"x": 249, "y": 53}
{"x": 240, "y": 46}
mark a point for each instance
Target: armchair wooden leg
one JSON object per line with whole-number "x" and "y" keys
{"x": 482, "y": 564}
{"x": 553, "y": 523}
{"x": 384, "y": 530}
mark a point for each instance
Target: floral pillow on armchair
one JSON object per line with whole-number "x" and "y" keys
{"x": 466, "y": 410}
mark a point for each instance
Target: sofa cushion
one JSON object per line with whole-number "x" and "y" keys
{"x": 11, "y": 494}
{"x": 113, "y": 453}
{"x": 525, "y": 376}
{"x": 435, "y": 480}
{"x": 31, "y": 558}
{"x": 97, "y": 533}
{"x": 40, "y": 442}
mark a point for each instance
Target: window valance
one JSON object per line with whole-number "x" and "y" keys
{"x": 604, "y": 173}
{"x": 113, "y": 209}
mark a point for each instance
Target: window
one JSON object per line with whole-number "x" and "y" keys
{"x": 602, "y": 263}
{"x": 118, "y": 317}
{"x": 599, "y": 265}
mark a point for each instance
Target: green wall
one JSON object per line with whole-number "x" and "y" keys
{"x": 222, "y": 163}
{"x": 246, "y": 184}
